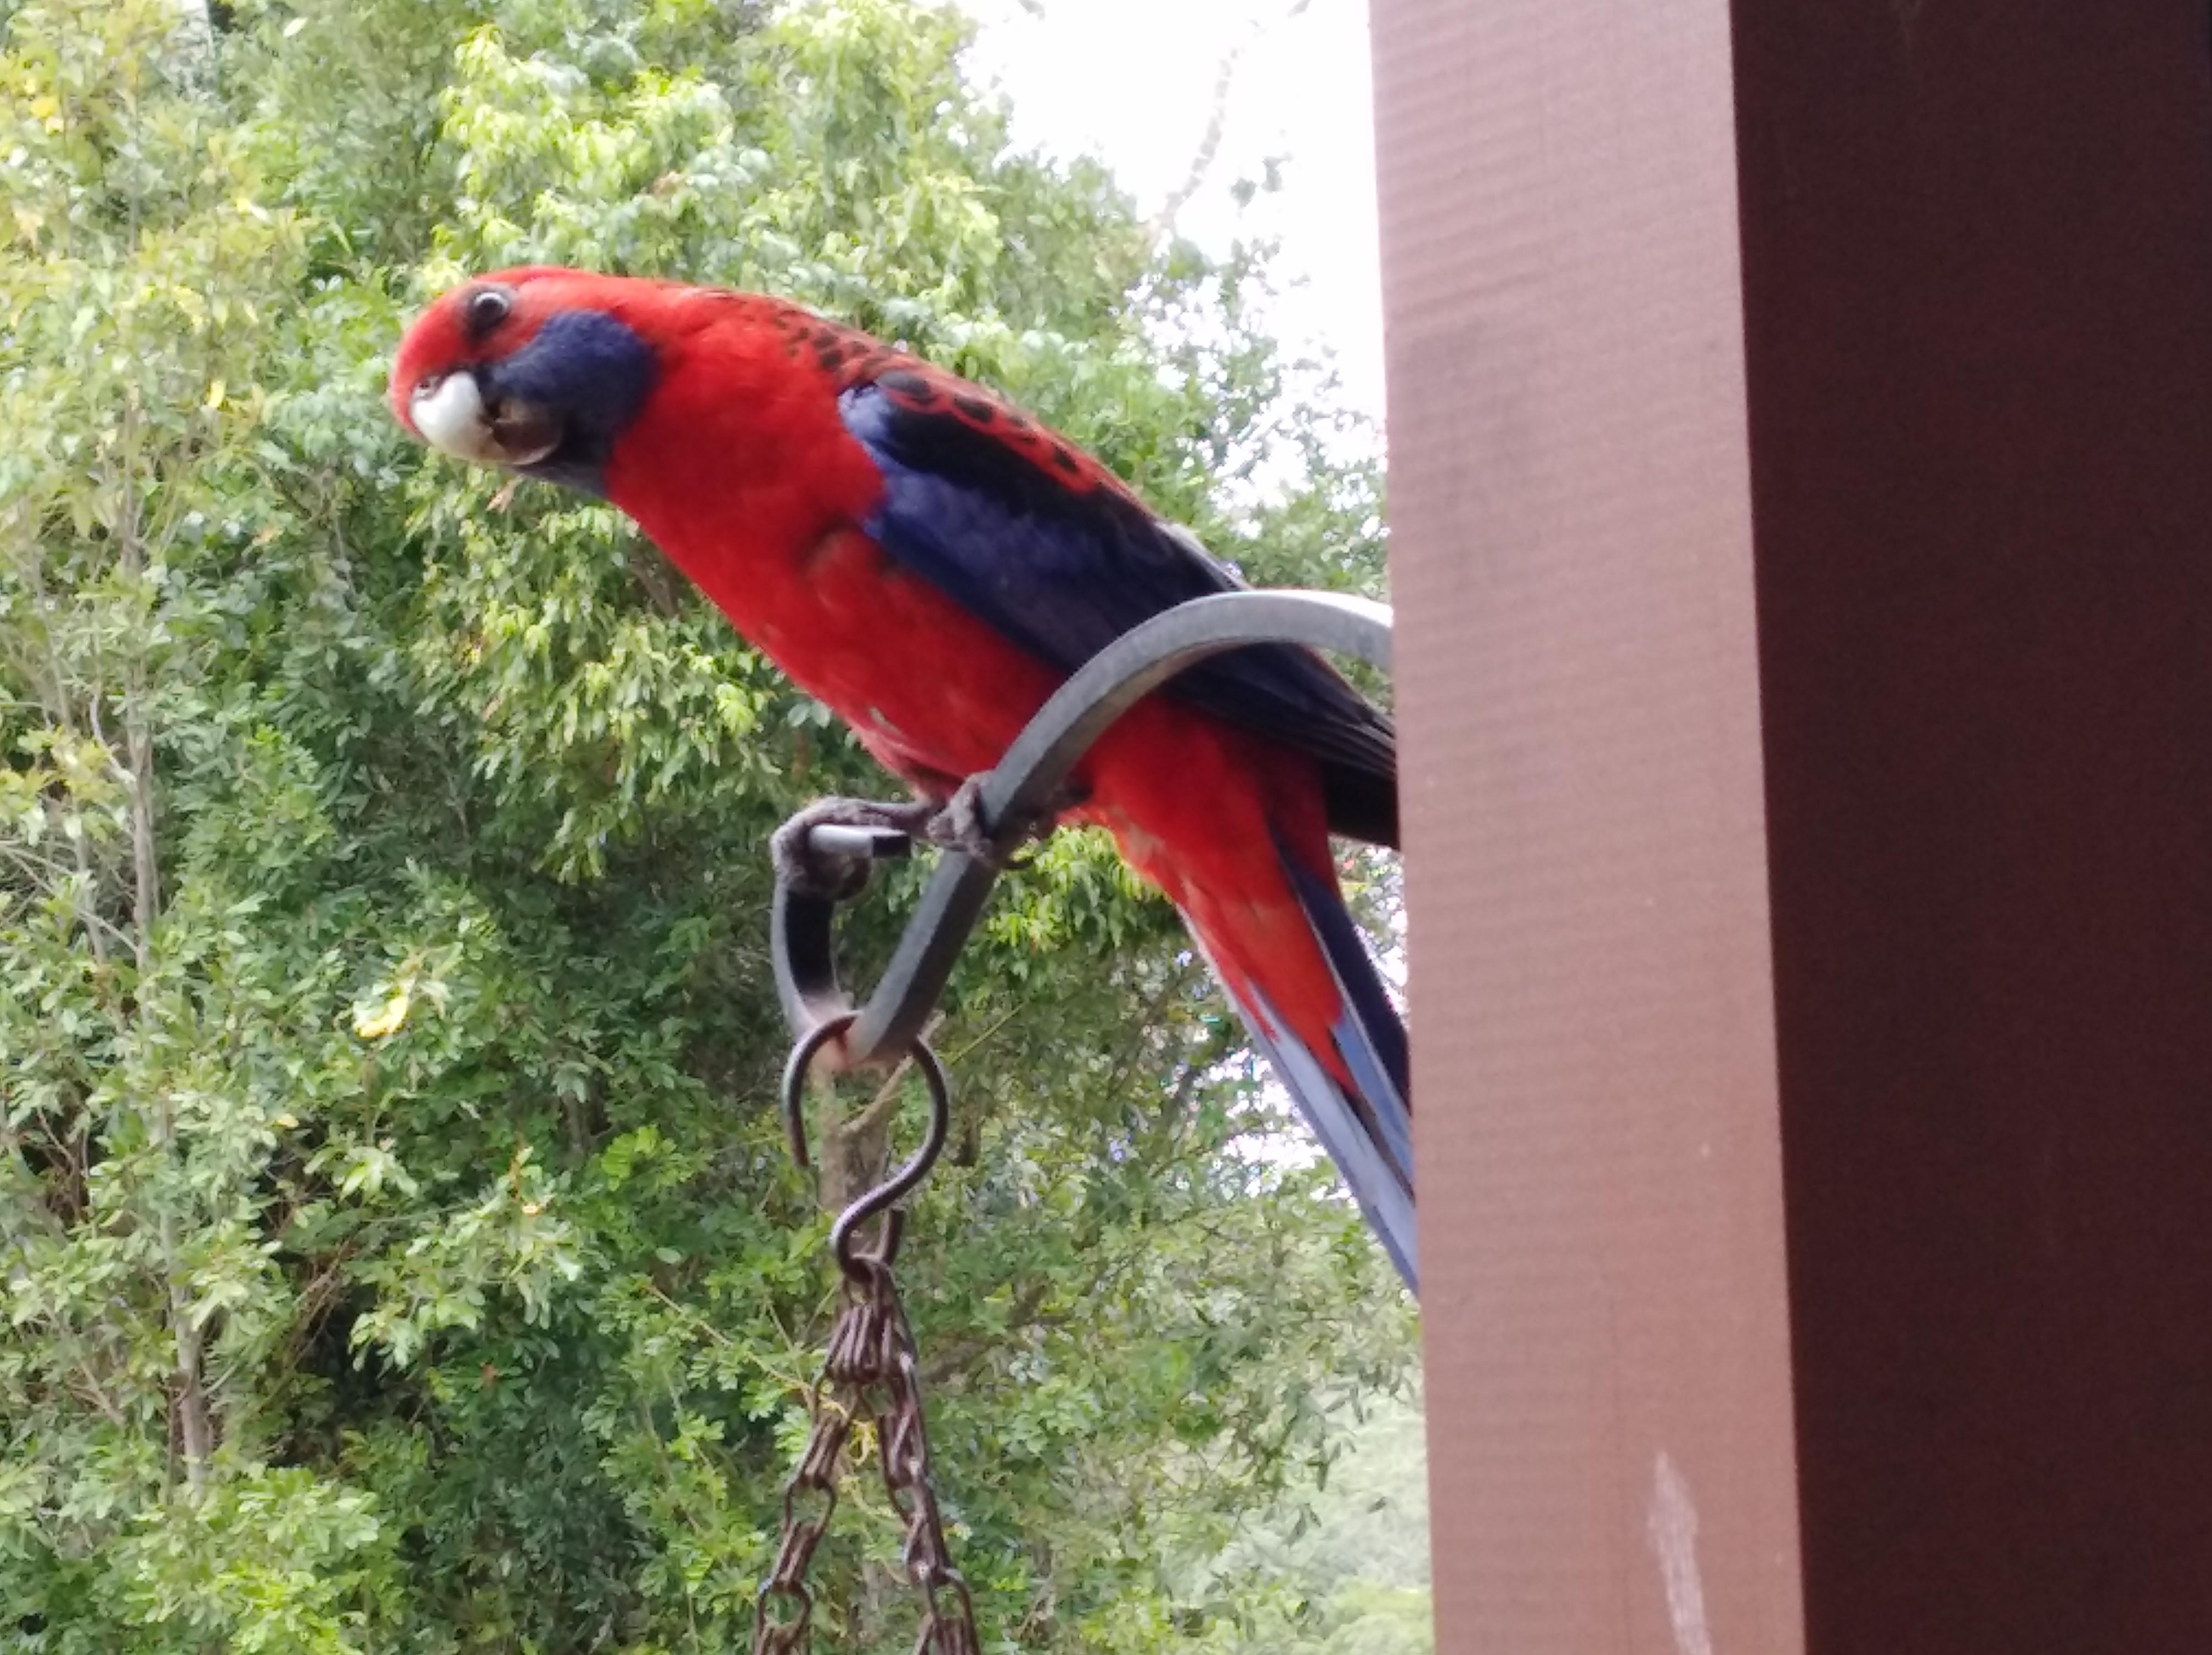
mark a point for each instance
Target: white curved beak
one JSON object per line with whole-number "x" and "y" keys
{"x": 451, "y": 415}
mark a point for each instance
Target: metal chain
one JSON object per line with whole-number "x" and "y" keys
{"x": 783, "y": 1614}
{"x": 886, "y": 1359}
{"x": 870, "y": 1375}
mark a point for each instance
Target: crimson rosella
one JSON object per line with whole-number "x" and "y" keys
{"x": 931, "y": 564}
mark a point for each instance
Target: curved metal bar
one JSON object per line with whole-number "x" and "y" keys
{"x": 1025, "y": 782}
{"x": 1056, "y": 740}
{"x": 803, "y": 942}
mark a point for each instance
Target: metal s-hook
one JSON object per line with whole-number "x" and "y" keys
{"x": 885, "y": 1196}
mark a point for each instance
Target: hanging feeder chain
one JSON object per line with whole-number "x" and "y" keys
{"x": 870, "y": 1375}
{"x": 948, "y": 1615}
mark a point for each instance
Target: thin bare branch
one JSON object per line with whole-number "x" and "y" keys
{"x": 1162, "y": 224}
{"x": 876, "y": 1117}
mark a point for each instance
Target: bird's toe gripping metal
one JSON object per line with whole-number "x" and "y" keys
{"x": 964, "y": 824}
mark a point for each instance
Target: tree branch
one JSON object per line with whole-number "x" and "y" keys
{"x": 876, "y": 1117}
{"x": 1163, "y": 223}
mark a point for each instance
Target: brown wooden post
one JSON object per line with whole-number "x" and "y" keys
{"x": 1978, "y": 252}
{"x": 1898, "y": 318}
{"x": 1600, "y": 1174}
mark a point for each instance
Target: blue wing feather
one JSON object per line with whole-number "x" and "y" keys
{"x": 1063, "y": 566}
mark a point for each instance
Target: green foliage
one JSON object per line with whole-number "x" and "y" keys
{"x": 1341, "y": 1566}
{"x": 399, "y": 1250}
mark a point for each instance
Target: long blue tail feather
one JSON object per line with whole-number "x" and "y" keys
{"x": 1368, "y": 1131}
{"x": 1385, "y": 1199}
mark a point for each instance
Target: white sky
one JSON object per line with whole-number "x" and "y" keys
{"x": 1131, "y": 82}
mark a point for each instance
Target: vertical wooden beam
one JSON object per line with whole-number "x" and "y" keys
{"x": 1602, "y": 1226}
{"x": 1977, "y": 249}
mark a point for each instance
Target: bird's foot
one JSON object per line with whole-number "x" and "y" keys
{"x": 959, "y": 824}
{"x": 836, "y": 864}
{"x": 814, "y": 864}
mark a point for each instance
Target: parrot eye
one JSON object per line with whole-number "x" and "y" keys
{"x": 485, "y": 309}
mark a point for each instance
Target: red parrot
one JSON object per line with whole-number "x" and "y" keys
{"x": 931, "y": 564}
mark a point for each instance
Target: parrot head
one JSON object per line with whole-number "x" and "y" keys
{"x": 537, "y": 370}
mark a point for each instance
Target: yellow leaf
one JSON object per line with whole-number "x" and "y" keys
{"x": 214, "y": 396}
{"x": 387, "y": 1021}
{"x": 286, "y": 1122}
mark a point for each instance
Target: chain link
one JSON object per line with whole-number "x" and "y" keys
{"x": 948, "y": 1615}
{"x": 783, "y": 1614}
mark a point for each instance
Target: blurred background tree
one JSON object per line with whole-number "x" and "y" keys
{"x": 397, "y": 1245}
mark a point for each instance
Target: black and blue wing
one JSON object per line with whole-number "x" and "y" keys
{"x": 1032, "y": 536}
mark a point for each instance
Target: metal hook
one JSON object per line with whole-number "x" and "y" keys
{"x": 885, "y": 1196}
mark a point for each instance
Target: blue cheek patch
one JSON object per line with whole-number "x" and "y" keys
{"x": 596, "y": 373}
